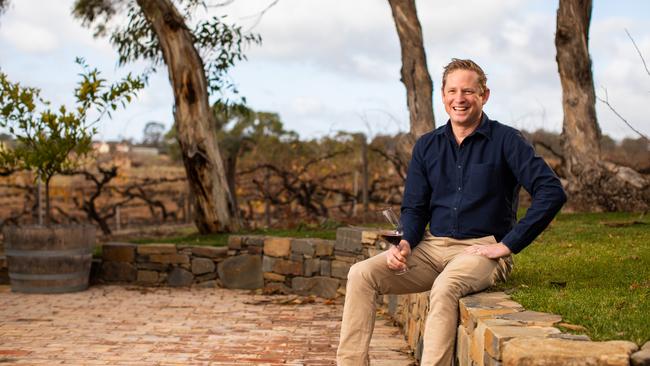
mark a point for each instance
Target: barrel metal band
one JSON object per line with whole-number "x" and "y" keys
{"x": 47, "y": 253}
{"x": 47, "y": 277}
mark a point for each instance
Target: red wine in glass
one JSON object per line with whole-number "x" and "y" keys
{"x": 392, "y": 236}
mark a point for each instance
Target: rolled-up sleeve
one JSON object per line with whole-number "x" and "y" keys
{"x": 540, "y": 181}
{"x": 415, "y": 212}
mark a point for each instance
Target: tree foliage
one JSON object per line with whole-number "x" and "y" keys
{"x": 52, "y": 141}
{"x": 219, "y": 44}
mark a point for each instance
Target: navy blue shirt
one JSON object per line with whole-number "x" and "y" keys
{"x": 472, "y": 190}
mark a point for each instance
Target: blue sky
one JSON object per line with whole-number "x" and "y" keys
{"x": 329, "y": 65}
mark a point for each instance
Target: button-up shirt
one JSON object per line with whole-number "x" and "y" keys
{"x": 471, "y": 190}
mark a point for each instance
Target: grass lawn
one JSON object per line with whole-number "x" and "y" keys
{"x": 594, "y": 275}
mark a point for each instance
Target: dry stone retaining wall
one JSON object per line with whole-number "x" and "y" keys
{"x": 493, "y": 329}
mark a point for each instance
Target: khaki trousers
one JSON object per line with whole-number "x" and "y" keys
{"x": 437, "y": 264}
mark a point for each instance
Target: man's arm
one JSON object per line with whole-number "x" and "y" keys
{"x": 540, "y": 181}
{"x": 416, "y": 213}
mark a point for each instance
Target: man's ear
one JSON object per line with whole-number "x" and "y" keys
{"x": 486, "y": 95}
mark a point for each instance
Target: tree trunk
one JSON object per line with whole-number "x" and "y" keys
{"x": 591, "y": 183}
{"x": 193, "y": 118}
{"x": 415, "y": 75}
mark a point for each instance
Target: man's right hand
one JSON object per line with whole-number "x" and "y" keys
{"x": 396, "y": 255}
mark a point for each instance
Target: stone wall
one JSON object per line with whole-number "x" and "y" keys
{"x": 493, "y": 329}
{"x": 280, "y": 265}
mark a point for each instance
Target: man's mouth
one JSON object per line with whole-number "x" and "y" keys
{"x": 460, "y": 109}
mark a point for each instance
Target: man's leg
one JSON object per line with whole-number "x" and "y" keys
{"x": 366, "y": 279}
{"x": 463, "y": 274}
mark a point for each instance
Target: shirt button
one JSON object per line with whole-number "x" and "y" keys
{"x": 459, "y": 188}
{"x": 455, "y": 208}
{"x": 459, "y": 167}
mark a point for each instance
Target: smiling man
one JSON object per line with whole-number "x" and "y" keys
{"x": 463, "y": 182}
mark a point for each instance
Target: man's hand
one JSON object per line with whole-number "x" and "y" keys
{"x": 396, "y": 255}
{"x": 492, "y": 251}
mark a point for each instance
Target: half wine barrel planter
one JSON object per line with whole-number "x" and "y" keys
{"x": 49, "y": 259}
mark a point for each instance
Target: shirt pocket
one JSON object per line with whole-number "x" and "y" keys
{"x": 483, "y": 180}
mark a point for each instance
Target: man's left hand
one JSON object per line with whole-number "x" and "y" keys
{"x": 492, "y": 251}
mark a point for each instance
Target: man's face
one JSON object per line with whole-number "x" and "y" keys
{"x": 463, "y": 99}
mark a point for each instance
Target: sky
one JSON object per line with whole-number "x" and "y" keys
{"x": 334, "y": 65}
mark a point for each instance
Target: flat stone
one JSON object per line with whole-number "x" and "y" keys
{"x": 268, "y": 263}
{"x": 489, "y": 361}
{"x": 179, "y": 277}
{"x": 484, "y": 305}
{"x": 532, "y": 318}
{"x": 206, "y": 277}
{"x": 207, "y": 284}
{"x": 323, "y": 247}
{"x": 340, "y": 269}
{"x": 210, "y": 252}
{"x": 148, "y": 277}
{"x": 277, "y": 247}
{"x": 276, "y": 288}
{"x": 349, "y": 239}
{"x": 497, "y": 335}
{"x": 274, "y": 277}
{"x": 550, "y": 351}
{"x": 160, "y": 267}
{"x": 255, "y": 250}
{"x": 242, "y": 271}
{"x": 119, "y": 252}
{"x": 287, "y": 267}
{"x": 118, "y": 272}
{"x": 346, "y": 258}
{"x": 641, "y": 358}
{"x": 320, "y": 286}
{"x": 170, "y": 258}
{"x": 254, "y": 240}
{"x": 369, "y": 237}
{"x": 571, "y": 337}
{"x": 146, "y": 249}
{"x": 462, "y": 346}
{"x": 477, "y": 339}
{"x": 325, "y": 268}
{"x": 234, "y": 242}
{"x": 303, "y": 246}
{"x": 311, "y": 267}
{"x": 202, "y": 265}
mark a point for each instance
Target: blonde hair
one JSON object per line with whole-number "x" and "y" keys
{"x": 459, "y": 64}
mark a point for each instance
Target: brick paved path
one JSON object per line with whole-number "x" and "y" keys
{"x": 113, "y": 325}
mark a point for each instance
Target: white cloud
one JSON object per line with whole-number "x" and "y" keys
{"x": 28, "y": 37}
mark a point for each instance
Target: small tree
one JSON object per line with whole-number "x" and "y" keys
{"x": 54, "y": 141}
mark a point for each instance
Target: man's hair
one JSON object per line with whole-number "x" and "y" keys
{"x": 458, "y": 64}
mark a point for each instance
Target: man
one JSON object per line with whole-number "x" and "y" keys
{"x": 463, "y": 181}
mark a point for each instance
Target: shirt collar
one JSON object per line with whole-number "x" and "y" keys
{"x": 484, "y": 128}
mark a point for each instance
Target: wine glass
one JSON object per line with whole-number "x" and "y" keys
{"x": 394, "y": 236}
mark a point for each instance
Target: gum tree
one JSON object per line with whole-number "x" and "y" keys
{"x": 197, "y": 59}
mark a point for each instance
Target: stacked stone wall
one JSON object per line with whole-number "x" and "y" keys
{"x": 493, "y": 329}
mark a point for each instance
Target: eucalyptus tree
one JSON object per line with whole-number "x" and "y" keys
{"x": 197, "y": 58}
{"x": 592, "y": 183}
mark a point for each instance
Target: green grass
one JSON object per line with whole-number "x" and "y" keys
{"x": 592, "y": 274}
{"x": 191, "y": 237}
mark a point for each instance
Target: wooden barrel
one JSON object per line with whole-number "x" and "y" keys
{"x": 48, "y": 260}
